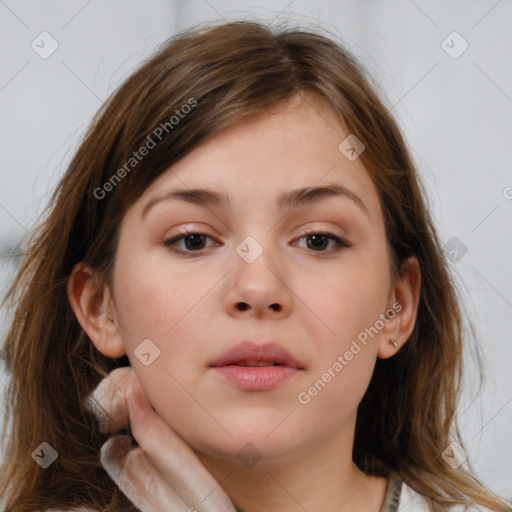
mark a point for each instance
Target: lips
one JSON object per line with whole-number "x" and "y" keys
{"x": 249, "y": 366}
{"x": 251, "y": 354}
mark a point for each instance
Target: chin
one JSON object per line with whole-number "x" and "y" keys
{"x": 247, "y": 444}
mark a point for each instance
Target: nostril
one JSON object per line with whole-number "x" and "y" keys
{"x": 242, "y": 306}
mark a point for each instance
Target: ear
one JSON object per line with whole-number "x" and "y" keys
{"x": 94, "y": 309}
{"x": 402, "y": 308}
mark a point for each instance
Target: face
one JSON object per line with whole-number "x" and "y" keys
{"x": 196, "y": 277}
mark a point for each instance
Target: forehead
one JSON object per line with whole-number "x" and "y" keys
{"x": 293, "y": 145}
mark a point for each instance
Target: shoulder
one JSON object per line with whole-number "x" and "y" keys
{"x": 412, "y": 501}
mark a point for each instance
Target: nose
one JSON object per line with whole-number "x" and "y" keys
{"x": 258, "y": 288}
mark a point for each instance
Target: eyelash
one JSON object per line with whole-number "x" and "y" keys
{"x": 340, "y": 242}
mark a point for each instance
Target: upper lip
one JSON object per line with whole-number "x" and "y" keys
{"x": 252, "y": 351}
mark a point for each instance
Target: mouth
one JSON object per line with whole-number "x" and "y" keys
{"x": 256, "y": 367}
{"x": 250, "y": 353}
{"x": 256, "y": 364}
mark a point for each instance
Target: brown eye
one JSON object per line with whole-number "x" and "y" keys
{"x": 318, "y": 241}
{"x": 193, "y": 242}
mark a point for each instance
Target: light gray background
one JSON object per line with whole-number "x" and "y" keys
{"x": 455, "y": 113}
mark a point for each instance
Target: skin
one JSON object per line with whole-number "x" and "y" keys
{"x": 187, "y": 305}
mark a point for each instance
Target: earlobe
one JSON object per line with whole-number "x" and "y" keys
{"x": 404, "y": 298}
{"x": 95, "y": 310}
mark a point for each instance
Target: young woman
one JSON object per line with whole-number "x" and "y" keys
{"x": 237, "y": 300}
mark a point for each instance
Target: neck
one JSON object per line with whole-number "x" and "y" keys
{"x": 323, "y": 478}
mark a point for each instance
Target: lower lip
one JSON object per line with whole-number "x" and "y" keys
{"x": 250, "y": 378}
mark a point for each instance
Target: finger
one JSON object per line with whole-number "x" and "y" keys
{"x": 174, "y": 459}
{"x": 130, "y": 470}
{"x": 108, "y": 401}
{"x": 123, "y": 402}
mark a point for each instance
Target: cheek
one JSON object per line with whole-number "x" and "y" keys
{"x": 166, "y": 306}
{"x": 330, "y": 401}
{"x": 156, "y": 300}
{"x": 347, "y": 300}
{"x": 353, "y": 301}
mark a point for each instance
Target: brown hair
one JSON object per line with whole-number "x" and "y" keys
{"x": 227, "y": 72}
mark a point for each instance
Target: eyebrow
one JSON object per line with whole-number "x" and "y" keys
{"x": 290, "y": 199}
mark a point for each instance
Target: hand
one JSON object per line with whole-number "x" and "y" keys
{"x": 162, "y": 473}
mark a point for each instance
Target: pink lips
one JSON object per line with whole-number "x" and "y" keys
{"x": 256, "y": 367}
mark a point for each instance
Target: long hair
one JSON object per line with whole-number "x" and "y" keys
{"x": 198, "y": 83}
